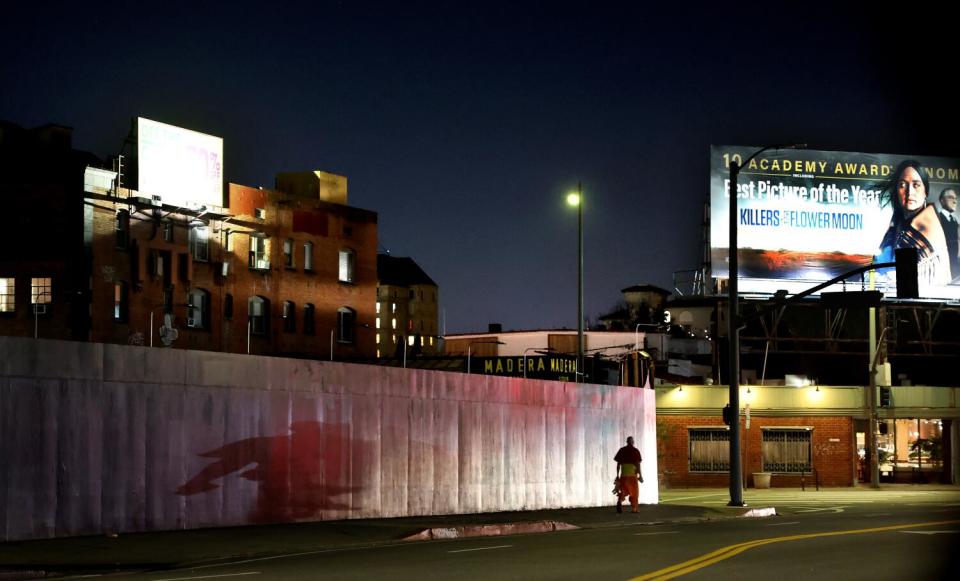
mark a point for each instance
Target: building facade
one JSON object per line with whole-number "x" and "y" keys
{"x": 407, "y": 309}
{"x": 289, "y": 271}
{"x": 807, "y": 436}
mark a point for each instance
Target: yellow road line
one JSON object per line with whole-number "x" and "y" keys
{"x": 733, "y": 550}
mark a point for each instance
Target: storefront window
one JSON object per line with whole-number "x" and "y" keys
{"x": 910, "y": 447}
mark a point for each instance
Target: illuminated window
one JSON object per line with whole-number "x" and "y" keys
{"x": 347, "y": 259}
{"x": 8, "y": 303}
{"x": 258, "y": 257}
{"x": 378, "y": 338}
{"x": 257, "y": 310}
{"x": 288, "y": 253}
{"x": 431, "y": 341}
{"x": 410, "y": 340}
{"x": 393, "y": 307}
{"x": 198, "y": 309}
{"x": 346, "y": 318}
{"x": 200, "y": 243}
{"x": 378, "y": 354}
{"x": 120, "y": 309}
{"x": 308, "y": 256}
{"x": 40, "y": 291}
{"x": 393, "y": 323}
{"x": 289, "y": 317}
{"x": 378, "y": 322}
{"x": 309, "y": 327}
{"x": 378, "y": 308}
{"x": 709, "y": 449}
{"x": 423, "y": 341}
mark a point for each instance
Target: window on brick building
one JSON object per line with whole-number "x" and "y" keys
{"x": 228, "y": 306}
{"x": 258, "y": 315}
{"x": 288, "y": 253}
{"x": 200, "y": 243}
{"x": 41, "y": 291}
{"x": 346, "y": 319}
{"x": 198, "y": 309}
{"x": 347, "y": 260}
{"x": 121, "y": 308}
{"x": 289, "y": 317}
{"x": 785, "y": 449}
{"x": 258, "y": 257}
{"x": 308, "y": 256}
{"x": 8, "y": 297}
{"x": 167, "y": 226}
{"x": 122, "y": 228}
{"x": 309, "y": 326}
{"x": 709, "y": 449}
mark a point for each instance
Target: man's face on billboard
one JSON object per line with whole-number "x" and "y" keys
{"x": 911, "y": 191}
{"x": 948, "y": 199}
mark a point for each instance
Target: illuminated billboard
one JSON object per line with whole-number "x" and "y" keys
{"x": 183, "y": 167}
{"x": 807, "y": 216}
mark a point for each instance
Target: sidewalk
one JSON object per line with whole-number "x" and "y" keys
{"x": 173, "y": 549}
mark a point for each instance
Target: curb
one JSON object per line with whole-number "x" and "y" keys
{"x": 760, "y": 512}
{"x": 548, "y": 526}
{"x": 515, "y": 528}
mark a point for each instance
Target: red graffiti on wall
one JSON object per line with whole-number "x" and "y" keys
{"x": 299, "y": 475}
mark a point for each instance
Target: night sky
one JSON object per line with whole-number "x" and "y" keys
{"x": 463, "y": 125}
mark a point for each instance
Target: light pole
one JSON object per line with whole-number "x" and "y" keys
{"x": 576, "y": 199}
{"x": 733, "y": 316}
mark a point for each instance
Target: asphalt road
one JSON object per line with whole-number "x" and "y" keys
{"x": 830, "y": 536}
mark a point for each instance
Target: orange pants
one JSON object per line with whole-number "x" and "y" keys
{"x": 629, "y": 485}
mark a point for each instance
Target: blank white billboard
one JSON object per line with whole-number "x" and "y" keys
{"x": 183, "y": 167}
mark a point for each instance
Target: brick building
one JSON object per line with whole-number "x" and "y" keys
{"x": 805, "y": 434}
{"x": 43, "y": 278}
{"x": 289, "y": 271}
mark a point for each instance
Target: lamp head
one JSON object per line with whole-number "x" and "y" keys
{"x": 573, "y": 199}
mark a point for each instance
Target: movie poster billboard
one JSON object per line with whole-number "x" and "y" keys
{"x": 807, "y": 216}
{"x": 183, "y": 167}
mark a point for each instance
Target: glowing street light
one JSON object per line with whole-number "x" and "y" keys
{"x": 576, "y": 199}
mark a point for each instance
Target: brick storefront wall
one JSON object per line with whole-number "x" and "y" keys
{"x": 833, "y": 450}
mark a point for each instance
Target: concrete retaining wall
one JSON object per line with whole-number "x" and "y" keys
{"x": 107, "y": 438}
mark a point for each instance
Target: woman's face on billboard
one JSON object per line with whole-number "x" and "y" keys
{"x": 910, "y": 190}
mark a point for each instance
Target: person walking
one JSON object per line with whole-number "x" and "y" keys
{"x": 628, "y": 475}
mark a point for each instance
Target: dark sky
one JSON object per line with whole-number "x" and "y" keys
{"x": 464, "y": 124}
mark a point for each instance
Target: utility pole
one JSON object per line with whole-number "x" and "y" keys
{"x": 873, "y": 455}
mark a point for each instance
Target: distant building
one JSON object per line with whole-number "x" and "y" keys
{"x": 407, "y": 311}
{"x": 642, "y": 305}
{"x": 611, "y": 357}
{"x": 290, "y": 271}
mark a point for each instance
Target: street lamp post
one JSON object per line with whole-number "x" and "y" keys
{"x": 577, "y": 200}
{"x": 733, "y": 316}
